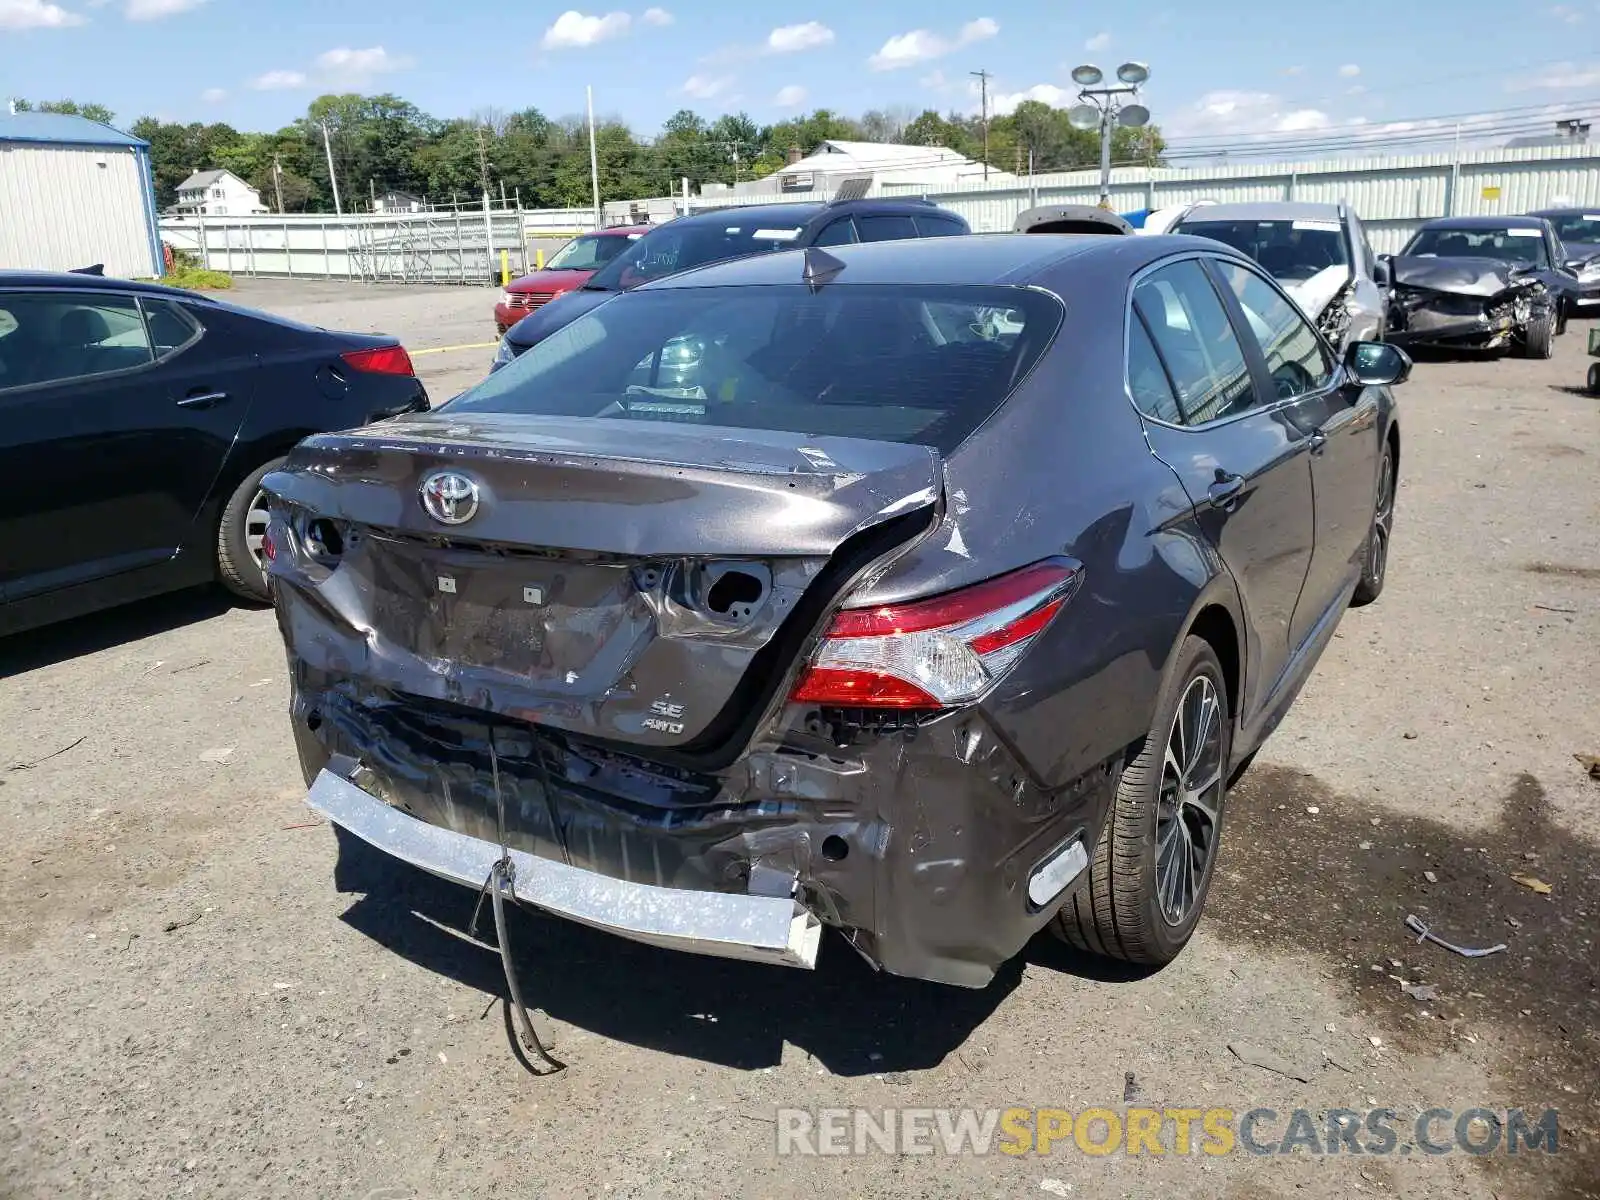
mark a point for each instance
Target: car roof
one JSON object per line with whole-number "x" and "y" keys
{"x": 802, "y": 212}
{"x": 1016, "y": 259}
{"x": 1265, "y": 210}
{"x": 1569, "y": 211}
{"x": 619, "y": 231}
{"x": 1467, "y": 223}
{"x": 93, "y": 283}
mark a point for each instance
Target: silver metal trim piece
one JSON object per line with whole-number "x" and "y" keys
{"x": 763, "y": 929}
{"x": 1051, "y": 877}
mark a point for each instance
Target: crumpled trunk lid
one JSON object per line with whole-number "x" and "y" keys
{"x": 628, "y": 581}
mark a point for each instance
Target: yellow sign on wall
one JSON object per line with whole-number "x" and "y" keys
{"x": 1491, "y": 193}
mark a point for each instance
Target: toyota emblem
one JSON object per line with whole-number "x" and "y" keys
{"x": 450, "y": 497}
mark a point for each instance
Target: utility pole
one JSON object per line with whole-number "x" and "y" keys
{"x": 277, "y": 181}
{"x": 483, "y": 180}
{"x": 983, "y": 88}
{"x": 594, "y": 159}
{"x": 333, "y": 178}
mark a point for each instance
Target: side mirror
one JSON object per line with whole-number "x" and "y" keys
{"x": 1382, "y": 275}
{"x": 1377, "y": 364}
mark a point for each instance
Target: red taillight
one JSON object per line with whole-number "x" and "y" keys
{"x": 383, "y": 360}
{"x": 269, "y": 549}
{"x": 939, "y": 652}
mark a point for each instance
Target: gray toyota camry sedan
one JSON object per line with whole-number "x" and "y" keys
{"x": 930, "y": 592}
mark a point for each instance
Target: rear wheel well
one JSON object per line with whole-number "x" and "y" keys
{"x": 1214, "y": 624}
{"x": 1394, "y": 450}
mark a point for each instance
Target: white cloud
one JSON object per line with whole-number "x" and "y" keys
{"x": 1359, "y": 89}
{"x": 1227, "y": 111}
{"x": 920, "y": 45}
{"x": 1561, "y": 77}
{"x": 344, "y": 67}
{"x": 278, "y": 81}
{"x": 574, "y": 29}
{"x": 214, "y": 95}
{"x": 792, "y": 96}
{"x": 36, "y": 14}
{"x": 656, "y": 16}
{"x": 1294, "y": 70}
{"x": 1003, "y": 104}
{"x": 1571, "y": 16}
{"x": 706, "y": 87}
{"x": 1350, "y": 70}
{"x": 1098, "y": 42}
{"x": 787, "y": 39}
{"x": 155, "y": 10}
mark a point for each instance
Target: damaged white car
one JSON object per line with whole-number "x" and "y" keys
{"x": 1317, "y": 252}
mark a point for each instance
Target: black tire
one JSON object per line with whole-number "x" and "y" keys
{"x": 1561, "y": 319}
{"x": 1538, "y": 339}
{"x": 1118, "y": 912}
{"x": 237, "y": 567}
{"x": 1594, "y": 379}
{"x": 1375, "y": 551}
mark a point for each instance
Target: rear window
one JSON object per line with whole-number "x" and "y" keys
{"x": 671, "y": 249}
{"x": 1291, "y": 251}
{"x": 918, "y": 364}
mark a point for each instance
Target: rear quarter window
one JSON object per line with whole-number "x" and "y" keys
{"x": 886, "y": 227}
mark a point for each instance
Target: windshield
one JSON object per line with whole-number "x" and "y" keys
{"x": 670, "y": 249}
{"x": 1291, "y": 251}
{"x": 1525, "y": 246}
{"x": 589, "y": 253}
{"x": 1583, "y": 228}
{"x": 924, "y": 365}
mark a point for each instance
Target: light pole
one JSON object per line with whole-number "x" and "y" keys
{"x": 1104, "y": 107}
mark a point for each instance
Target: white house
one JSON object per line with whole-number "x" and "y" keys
{"x": 397, "y": 202}
{"x": 818, "y": 174}
{"x": 219, "y": 194}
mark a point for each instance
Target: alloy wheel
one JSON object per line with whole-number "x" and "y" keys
{"x": 1189, "y": 805}
{"x": 255, "y": 529}
{"x": 1382, "y": 525}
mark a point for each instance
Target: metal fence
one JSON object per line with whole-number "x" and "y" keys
{"x": 1391, "y": 194}
{"x": 459, "y": 247}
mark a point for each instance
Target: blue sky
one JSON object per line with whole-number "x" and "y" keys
{"x": 1225, "y": 66}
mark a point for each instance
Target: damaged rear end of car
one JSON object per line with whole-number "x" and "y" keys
{"x": 624, "y": 651}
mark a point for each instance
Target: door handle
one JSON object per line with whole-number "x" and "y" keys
{"x": 202, "y": 399}
{"x": 1318, "y": 441}
{"x": 1224, "y": 493}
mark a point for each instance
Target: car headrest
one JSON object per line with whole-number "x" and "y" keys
{"x": 82, "y": 327}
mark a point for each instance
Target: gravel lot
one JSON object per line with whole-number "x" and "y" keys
{"x": 196, "y": 1002}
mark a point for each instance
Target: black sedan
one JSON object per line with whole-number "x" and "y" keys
{"x": 724, "y": 233}
{"x": 1481, "y": 283}
{"x": 136, "y": 422}
{"x": 940, "y": 606}
{"x": 1578, "y": 230}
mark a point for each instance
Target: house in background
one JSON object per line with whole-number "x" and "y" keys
{"x": 816, "y": 175}
{"x": 397, "y": 202}
{"x": 219, "y": 194}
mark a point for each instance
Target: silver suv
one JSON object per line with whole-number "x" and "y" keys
{"x": 1318, "y": 253}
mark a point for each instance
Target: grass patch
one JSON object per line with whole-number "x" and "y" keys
{"x": 195, "y": 279}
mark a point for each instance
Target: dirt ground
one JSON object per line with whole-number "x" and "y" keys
{"x": 198, "y": 998}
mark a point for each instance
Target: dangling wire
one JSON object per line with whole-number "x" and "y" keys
{"x": 500, "y": 883}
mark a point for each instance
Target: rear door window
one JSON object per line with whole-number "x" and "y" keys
{"x": 51, "y": 336}
{"x": 839, "y": 233}
{"x": 924, "y": 364}
{"x": 886, "y": 227}
{"x": 1190, "y": 327}
{"x": 169, "y": 327}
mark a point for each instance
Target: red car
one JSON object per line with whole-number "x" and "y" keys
{"x": 569, "y": 269}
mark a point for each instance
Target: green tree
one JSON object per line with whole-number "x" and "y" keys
{"x": 94, "y": 112}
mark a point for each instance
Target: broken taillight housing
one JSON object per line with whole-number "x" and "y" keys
{"x": 935, "y": 653}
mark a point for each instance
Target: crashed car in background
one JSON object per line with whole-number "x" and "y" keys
{"x": 1481, "y": 283}
{"x": 1317, "y": 252}
{"x": 786, "y": 649}
{"x": 1578, "y": 231}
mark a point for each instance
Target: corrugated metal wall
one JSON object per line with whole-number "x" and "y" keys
{"x": 1392, "y": 195}
{"x": 72, "y": 206}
